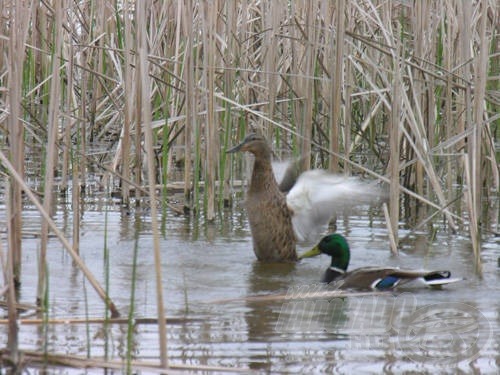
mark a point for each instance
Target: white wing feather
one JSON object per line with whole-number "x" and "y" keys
{"x": 279, "y": 169}
{"x": 318, "y": 195}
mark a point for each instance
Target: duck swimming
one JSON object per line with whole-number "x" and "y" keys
{"x": 381, "y": 278}
{"x": 278, "y": 219}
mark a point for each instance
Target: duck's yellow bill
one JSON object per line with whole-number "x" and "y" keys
{"x": 311, "y": 253}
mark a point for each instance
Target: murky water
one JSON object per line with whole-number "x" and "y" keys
{"x": 209, "y": 269}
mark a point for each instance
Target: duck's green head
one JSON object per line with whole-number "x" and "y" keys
{"x": 254, "y": 143}
{"x": 334, "y": 245}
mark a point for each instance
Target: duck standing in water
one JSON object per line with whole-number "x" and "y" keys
{"x": 278, "y": 220}
{"x": 381, "y": 278}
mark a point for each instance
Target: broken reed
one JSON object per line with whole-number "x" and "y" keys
{"x": 133, "y": 93}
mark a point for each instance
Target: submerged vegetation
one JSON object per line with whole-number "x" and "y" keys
{"x": 132, "y": 93}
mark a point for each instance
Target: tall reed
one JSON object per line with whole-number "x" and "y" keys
{"x": 131, "y": 312}
{"x": 17, "y": 34}
{"x": 396, "y": 112}
{"x": 10, "y": 281}
{"x": 337, "y": 69}
{"x": 128, "y": 82}
{"x": 143, "y": 86}
{"x": 209, "y": 13}
{"x": 52, "y": 131}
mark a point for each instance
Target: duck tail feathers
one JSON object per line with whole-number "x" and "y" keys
{"x": 438, "y": 278}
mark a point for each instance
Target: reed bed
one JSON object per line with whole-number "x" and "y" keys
{"x": 404, "y": 91}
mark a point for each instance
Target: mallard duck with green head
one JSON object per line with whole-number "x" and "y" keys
{"x": 282, "y": 214}
{"x": 381, "y": 278}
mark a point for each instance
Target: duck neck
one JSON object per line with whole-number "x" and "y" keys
{"x": 262, "y": 176}
{"x": 331, "y": 274}
{"x": 340, "y": 271}
{"x": 340, "y": 261}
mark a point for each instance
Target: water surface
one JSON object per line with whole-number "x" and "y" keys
{"x": 208, "y": 271}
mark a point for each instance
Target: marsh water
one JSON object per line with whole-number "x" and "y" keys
{"x": 209, "y": 271}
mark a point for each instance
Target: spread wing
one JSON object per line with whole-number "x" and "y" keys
{"x": 287, "y": 173}
{"x": 318, "y": 195}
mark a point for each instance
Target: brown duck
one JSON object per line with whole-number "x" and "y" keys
{"x": 277, "y": 219}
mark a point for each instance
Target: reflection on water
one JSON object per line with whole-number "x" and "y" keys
{"x": 209, "y": 269}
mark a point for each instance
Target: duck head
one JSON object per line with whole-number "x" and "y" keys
{"x": 254, "y": 143}
{"x": 334, "y": 245}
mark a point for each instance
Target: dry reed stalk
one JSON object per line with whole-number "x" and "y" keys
{"x": 210, "y": 12}
{"x": 307, "y": 92}
{"x": 473, "y": 219}
{"x": 128, "y": 112}
{"x": 176, "y": 100}
{"x": 75, "y": 201}
{"x": 337, "y": 63}
{"x": 242, "y": 51}
{"x": 271, "y": 24}
{"x": 229, "y": 58}
{"x": 67, "y": 55}
{"x": 67, "y": 321}
{"x": 9, "y": 274}
{"x": 51, "y": 359}
{"x": 464, "y": 71}
{"x": 145, "y": 115}
{"x": 138, "y": 93}
{"x": 95, "y": 62}
{"x": 190, "y": 108}
{"x": 84, "y": 62}
{"x": 20, "y": 307}
{"x": 51, "y": 157}
{"x": 67, "y": 155}
{"x": 428, "y": 101}
{"x": 3, "y": 261}
{"x": 349, "y": 84}
{"x": 394, "y": 139}
{"x": 19, "y": 14}
{"x": 390, "y": 230}
{"x": 448, "y": 36}
{"x": 4, "y": 30}
{"x": 306, "y": 295}
{"x": 475, "y": 141}
{"x": 495, "y": 169}
{"x": 420, "y": 20}
{"x": 296, "y": 82}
